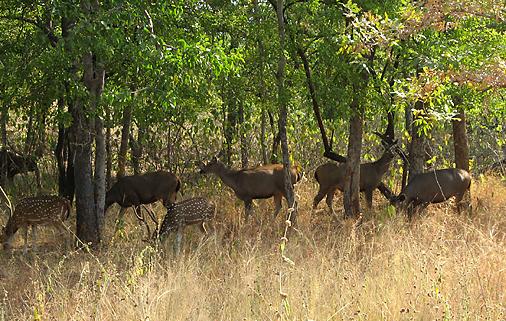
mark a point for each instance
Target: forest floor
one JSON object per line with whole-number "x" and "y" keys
{"x": 441, "y": 266}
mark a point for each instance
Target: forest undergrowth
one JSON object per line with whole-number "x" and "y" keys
{"x": 441, "y": 266}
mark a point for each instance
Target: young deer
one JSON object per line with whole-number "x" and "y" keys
{"x": 197, "y": 210}
{"x": 37, "y": 210}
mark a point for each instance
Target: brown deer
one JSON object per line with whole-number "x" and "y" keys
{"x": 12, "y": 164}
{"x": 37, "y": 210}
{"x": 141, "y": 189}
{"x": 330, "y": 176}
{"x": 197, "y": 210}
{"x": 433, "y": 187}
{"x": 254, "y": 183}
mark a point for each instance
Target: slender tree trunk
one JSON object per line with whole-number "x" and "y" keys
{"x": 283, "y": 109}
{"x": 408, "y": 121}
{"x": 263, "y": 146}
{"x": 275, "y": 140}
{"x": 261, "y": 55}
{"x": 123, "y": 147}
{"x": 29, "y": 133}
{"x": 108, "y": 167}
{"x": 100, "y": 171}
{"x": 3, "y": 154}
{"x": 351, "y": 196}
{"x": 137, "y": 148}
{"x": 417, "y": 148}
{"x": 243, "y": 138}
{"x": 460, "y": 142}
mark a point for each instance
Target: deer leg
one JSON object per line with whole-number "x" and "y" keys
{"x": 120, "y": 221}
{"x": 34, "y": 237}
{"x": 318, "y": 198}
{"x": 329, "y": 200}
{"x": 179, "y": 238}
{"x": 277, "y": 203}
{"x": 247, "y": 208}
{"x": 368, "y": 198}
{"x": 142, "y": 219}
{"x": 25, "y": 236}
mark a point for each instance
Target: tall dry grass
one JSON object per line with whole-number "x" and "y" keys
{"x": 443, "y": 266}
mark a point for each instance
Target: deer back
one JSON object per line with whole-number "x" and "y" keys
{"x": 187, "y": 212}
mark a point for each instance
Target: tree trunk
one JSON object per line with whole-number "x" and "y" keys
{"x": 123, "y": 147}
{"x": 261, "y": 94}
{"x": 108, "y": 167}
{"x": 65, "y": 158}
{"x": 408, "y": 125}
{"x": 262, "y": 136}
{"x": 351, "y": 196}
{"x": 275, "y": 140}
{"x": 243, "y": 138}
{"x": 100, "y": 171}
{"x": 86, "y": 223}
{"x": 137, "y": 148}
{"x": 283, "y": 110}
{"x": 460, "y": 142}
{"x": 90, "y": 193}
{"x": 417, "y": 147}
{"x": 3, "y": 160}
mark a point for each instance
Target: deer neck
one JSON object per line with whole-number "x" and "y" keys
{"x": 383, "y": 163}
{"x": 227, "y": 176}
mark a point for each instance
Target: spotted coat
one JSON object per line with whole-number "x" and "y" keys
{"x": 37, "y": 210}
{"x": 187, "y": 212}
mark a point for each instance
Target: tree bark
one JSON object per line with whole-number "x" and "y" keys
{"x": 460, "y": 142}
{"x": 243, "y": 139}
{"x": 123, "y": 147}
{"x": 100, "y": 172}
{"x": 283, "y": 110}
{"x": 108, "y": 167}
{"x": 351, "y": 196}
{"x": 137, "y": 148}
{"x": 86, "y": 222}
{"x": 262, "y": 91}
{"x": 3, "y": 161}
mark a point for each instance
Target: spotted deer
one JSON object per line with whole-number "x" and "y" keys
{"x": 197, "y": 210}
{"x": 33, "y": 211}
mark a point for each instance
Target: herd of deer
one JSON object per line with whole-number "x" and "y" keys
{"x": 261, "y": 182}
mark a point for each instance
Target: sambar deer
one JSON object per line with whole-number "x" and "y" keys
{"x": 141, "y": 189}
{"x": 330, "y": 176}
{"x": 433, "y": 187}
{"x": 37, "y": 210}
{"x": 12, "y": 164}
{"x": 254, "y": 183}
{"x": 197, "y": 210}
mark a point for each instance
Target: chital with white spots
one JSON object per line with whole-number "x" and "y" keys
{"x": 196, "y": 210}
{"x": 37, "y": 210}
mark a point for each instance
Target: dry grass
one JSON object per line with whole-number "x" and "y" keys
{"x": 440, "y": 267}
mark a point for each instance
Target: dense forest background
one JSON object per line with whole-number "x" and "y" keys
{"x": 95, "y": 90}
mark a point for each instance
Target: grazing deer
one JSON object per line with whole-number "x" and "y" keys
{"x": 254, "y": 183}
{"x": 143, "y": 189}
{"x": 330, "y": 176}
{"x": 434, "y": 187}
{"x": 196, "y": 210}
{"x": 37, "y": 210}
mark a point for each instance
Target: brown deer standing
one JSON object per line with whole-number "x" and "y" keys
{"x": 37, "y": 210}
{"x": 196, "y": 210}
{"x": 147, "y": 188}
{"x": 254, "y": 183}
{"x": 433, "y": 187}
{"x": 330, "y": 176}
